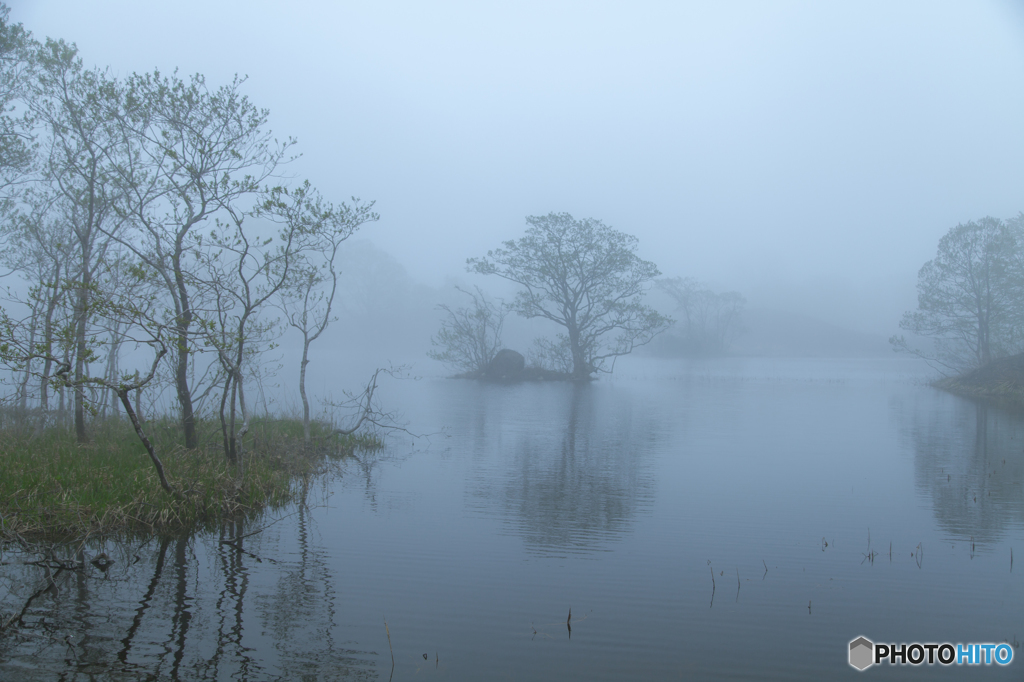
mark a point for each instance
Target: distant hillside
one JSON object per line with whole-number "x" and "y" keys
{"x": 775, "y": 333}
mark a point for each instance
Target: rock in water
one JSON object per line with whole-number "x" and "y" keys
{"x": 507, "y": 364}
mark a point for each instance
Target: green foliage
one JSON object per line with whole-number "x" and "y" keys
{"x": 16, "y": 141}
{"x": 584, "y": 276}
{"x": 971, "y": 295}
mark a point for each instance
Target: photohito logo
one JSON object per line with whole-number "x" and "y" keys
{"x": 865, "y": 653}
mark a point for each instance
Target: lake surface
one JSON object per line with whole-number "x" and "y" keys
{"x": 727, "y": 519}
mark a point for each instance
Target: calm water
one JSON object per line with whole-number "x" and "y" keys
{"x": 827, "y": 500}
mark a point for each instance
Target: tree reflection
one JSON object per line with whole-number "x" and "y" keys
{"x": 971, "y": 463}
{"x": 578, "y": 478}
{"x": 181, "y": 608}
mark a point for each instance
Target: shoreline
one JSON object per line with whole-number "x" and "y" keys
{"x": 1000, "y": 383}
{"x": 55, "y": 489}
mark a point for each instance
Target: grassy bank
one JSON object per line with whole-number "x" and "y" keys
{"x": 52, "y": 487}
{"x": 1001, "y": 382}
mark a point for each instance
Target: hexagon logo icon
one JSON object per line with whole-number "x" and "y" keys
{"x": 862, "y": 653}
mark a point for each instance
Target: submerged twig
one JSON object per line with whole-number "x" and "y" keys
{"x": 390, "y": 649}
{"x": 712, "y": 568}
{"x": 870, "y": 556}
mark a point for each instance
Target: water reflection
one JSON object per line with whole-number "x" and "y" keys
{"x": 178, "y": 609}
{"x": 969, "y": 458}
{"x": 571, "y": 474}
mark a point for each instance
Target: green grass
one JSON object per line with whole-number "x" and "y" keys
{"x": 52, "y": 487}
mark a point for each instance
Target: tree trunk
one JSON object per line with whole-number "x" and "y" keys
{"x": 184, "y": 322}
{"x": 302, "y": 390}
{"x": 223, "y": 417}
{"x": 580, "y": 366}
{"x": 80, "y": 351}
{"x": 51, "y": 306}
{"x": 23, "y": 389}
{"x": 138, "y": 399}
{"x": 188, "y": 419}
{"x": 231, "y": 422}
{"x": 157, "y": 464}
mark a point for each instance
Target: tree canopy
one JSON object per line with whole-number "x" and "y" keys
{"x": 150, "y": 210}
{"x": 969, "y": 296}
{"x": 585, "y": 277}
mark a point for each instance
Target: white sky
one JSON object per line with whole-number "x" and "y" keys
{"x": 809, "y": 155}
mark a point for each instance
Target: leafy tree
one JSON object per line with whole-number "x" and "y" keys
{"x": 244, "y": 268}
{"x": 308, "y": 301}
{"x": 196, "y": 155}
{"x": 470, "y": 337}
{"x": 969, "y": 296}
{"x": 74, "y": 104}
{"x": 16, "y": 67}
{"x": 584, "y": 276}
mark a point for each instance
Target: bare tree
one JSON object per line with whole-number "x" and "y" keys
{"x": 552, "y": 354}
{"x": 470, "y": 337}
{"x": 308, "y": 302}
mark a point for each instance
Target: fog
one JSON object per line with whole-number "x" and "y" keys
{"x": 806, "y": 155}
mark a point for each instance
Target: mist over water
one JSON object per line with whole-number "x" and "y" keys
{"x": 807, "y": 156}
{"x": 820, "y": 484}
{"x": 731, "y": 503}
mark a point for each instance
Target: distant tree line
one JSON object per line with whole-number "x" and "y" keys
{"x": 147, "y": 212}
{"x": 970, "y": 296}
{"x": 707, "y": 321}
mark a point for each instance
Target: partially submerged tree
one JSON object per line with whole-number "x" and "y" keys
{"x": 470, "y": 336}
{"x": 970, "y": 296}
{"x": 584, "y": 276}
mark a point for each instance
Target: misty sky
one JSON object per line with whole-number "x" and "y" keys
{"x": 809, "y": 155}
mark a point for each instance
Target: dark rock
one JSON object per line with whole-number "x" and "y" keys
{"x": 507, "y": 364}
